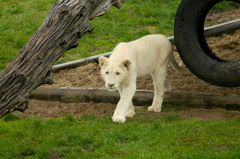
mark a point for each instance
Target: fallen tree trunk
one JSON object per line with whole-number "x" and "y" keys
{"x": 141, "y": 98}
{"x": 61, "y": 31}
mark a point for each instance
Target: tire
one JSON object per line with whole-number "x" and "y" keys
{"x": 194, "y": 50}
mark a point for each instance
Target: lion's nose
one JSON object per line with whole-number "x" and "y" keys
{"x": 110, "y": 85}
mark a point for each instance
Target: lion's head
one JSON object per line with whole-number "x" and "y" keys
{"x": 114, "y": 74}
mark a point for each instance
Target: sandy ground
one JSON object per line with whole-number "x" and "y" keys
{"x": 216, "y": 18}
{"x": 226, "y": 46}
{"x": 58, "y": 109}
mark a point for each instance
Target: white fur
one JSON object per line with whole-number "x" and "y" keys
{"x": 149, "y": 55}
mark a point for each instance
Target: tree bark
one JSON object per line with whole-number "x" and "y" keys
{"x": 61, "y": 31}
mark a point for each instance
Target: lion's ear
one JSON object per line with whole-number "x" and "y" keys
{"x": 103, "y": 61}
{"x": 126, "y": 64}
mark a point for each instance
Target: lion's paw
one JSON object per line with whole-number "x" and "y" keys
{"x": 154, "y": 109}
{"x": 130, "y": 114}
{"x": 118, "y": 119}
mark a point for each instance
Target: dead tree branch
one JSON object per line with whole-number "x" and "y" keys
{"x": 61, "y": 31}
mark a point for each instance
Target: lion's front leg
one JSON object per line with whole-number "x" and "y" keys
{"x": 125, "y": 101}
{"x": 131, "y": 111}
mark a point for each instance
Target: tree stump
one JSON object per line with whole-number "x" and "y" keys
{"x": 61, "y": 31}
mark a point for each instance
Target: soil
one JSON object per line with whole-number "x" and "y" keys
{"x": 216, "y": 17}
{"x": 58, "y": 109}
{"x": 226, "y": 46}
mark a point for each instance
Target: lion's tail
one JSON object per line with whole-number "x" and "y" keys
{"x": 173, "y": 63}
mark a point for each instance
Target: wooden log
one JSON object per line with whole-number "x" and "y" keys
{"x": 141, "y": 98}
{"x": 61, "y": 31}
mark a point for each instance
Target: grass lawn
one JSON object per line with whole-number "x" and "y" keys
{"x": 19, "y": 20}
{"x": 90, "y": 137}
{"x": 97, "y": 137}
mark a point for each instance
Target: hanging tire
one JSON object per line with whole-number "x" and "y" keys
{"x": 194, "y": 50}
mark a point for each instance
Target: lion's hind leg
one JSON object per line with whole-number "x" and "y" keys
{"x": 159, "y": 77}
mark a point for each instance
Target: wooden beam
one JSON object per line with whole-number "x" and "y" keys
{"x": 141, "y": 98}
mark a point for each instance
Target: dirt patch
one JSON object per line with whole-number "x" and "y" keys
{"x": 191, "y": 113}
{"x": 226, "y": 46}
{"x": 58, "y": 109}
{"x": 209, "y": 114}
{"x": 216, "y": 17}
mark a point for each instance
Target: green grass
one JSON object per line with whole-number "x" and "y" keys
{"x": 21, "y": 19}
{"x": 94, "y": 137}
{"x": 91, "y": 137}
{"x": 224, "y": 6}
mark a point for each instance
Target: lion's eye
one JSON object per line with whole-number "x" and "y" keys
{"x": 117, "y": 73}
{"x": 107, "y": 72}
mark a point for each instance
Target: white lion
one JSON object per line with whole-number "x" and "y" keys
{"x": 149, "y": 55}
